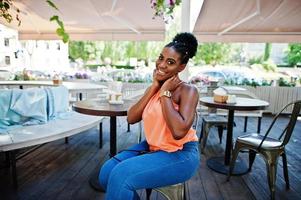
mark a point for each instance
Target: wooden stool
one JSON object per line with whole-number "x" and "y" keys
{"x": 208, "y": 121}
{"x": 171, "y": 192}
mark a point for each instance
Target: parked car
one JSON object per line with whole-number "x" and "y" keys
{"x": 207, "y": 75}
{"x": 239, "y": 77}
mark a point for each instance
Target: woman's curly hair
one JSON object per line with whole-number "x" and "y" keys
{"x": 185, "y": 44}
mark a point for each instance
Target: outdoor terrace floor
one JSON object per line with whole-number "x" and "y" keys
{"x": 61, "y": 171}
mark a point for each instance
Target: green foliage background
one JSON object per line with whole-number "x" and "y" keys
{"x": 294, "y": 54}
{"x": 116, "y": 50}
{"x": 213, "y": 53}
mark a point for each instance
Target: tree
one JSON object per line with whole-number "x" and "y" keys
{"x": 84, "y": 50}
{"x": 267, "y": 51}
{"x": 116, "y": 50}
{"x": 130, "y": 50}
{"x": 213, "y": 53}
{"x": 293, "y": 56}
{"x": 108, "y": 50}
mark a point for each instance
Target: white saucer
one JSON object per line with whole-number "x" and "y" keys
{"x": 231, "y": 102}
{"x": 116, "y": 102}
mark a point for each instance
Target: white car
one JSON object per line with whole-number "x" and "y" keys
{"x": 211, "y": 74}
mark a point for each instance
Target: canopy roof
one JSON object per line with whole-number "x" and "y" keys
{"x": 249, "y": 21}
{"x": 89, "y": 20}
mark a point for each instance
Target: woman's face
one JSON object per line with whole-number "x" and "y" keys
{"x": 168, "y": 64}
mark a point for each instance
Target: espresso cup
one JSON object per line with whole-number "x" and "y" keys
{"x": 231, "y": 99}
{"x": 115, "y": 97}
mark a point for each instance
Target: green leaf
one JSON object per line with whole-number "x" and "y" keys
{"x": 65, "y": 38}
{"x": 60, "y": 23}
{"x": 60, "y": 31}
{"x": 50, "y": 3}
{"x": 54, "y": 18}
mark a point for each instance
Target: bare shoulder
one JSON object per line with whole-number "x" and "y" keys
{"x": 187, "y": 88}
{"x": 186, "y": 91}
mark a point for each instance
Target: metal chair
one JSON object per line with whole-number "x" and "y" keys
{"x": 172, "y": 192}
{"x": 207, "y": 122}
{"x": 268, "y": 147}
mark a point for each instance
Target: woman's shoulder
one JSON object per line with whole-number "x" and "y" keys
{"x": 185, "y": 91}
{"x": 187, "y": 87}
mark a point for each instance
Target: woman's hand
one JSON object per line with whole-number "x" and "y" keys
{"x": 171, "y": 84}
{"x": 156, "y": 83}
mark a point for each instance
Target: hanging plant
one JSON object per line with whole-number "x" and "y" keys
{"x": 164, "y": 8}
{"x": 7, "y": 5}
{"x": 60, "y": 31}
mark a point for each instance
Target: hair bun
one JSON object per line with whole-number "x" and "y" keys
{"x": 189, "y": 40}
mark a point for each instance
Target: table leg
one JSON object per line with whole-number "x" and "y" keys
{"x": 221, "y": 164}
{"x": 229, "y": 137}
{"x": 113, "y": 146}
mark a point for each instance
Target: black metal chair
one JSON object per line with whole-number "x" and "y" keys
{"x": 268, "y": 147}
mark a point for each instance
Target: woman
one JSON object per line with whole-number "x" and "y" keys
{"x": 170, "y": 153}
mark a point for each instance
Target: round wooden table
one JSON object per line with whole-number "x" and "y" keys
{"x": 221, "y": 164}
{"x": 104, "y": 108}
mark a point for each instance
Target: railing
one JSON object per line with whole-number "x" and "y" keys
{"x": 276, "y": 96}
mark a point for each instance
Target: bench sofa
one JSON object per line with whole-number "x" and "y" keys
{"x": 21, "y": 129}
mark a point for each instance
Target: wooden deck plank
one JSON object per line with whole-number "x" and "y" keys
{"x": 52, "y": 173}
{"x": 61, "y": 171}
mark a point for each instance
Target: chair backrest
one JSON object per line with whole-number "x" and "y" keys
{"x": 287, "y": 132}
{"x": 292, "y": 122}
{"x": 196, "y": 119}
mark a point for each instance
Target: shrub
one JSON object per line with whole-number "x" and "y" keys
{"x": 255, "y": 60}
{"x": 284, "y": 83}
{"x": 269, "y": 65}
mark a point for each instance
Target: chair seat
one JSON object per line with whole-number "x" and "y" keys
{"x": 255, "y": 139}
{"x": 216, "y": 119}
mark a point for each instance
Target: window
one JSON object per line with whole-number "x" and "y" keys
{"x": 7, "y": 60}
{"x": 6, "y": 42}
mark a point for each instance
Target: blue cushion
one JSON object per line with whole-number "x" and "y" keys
{"x": 57, "y": 102}
{"x": 22, "y": 107}
{"x": 32, "y": 106}
{"x": 7, "y": 116}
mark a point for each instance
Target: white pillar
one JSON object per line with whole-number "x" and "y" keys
{"x": 185, "y": 27}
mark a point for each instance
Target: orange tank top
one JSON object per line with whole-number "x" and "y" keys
{"x": 157, "y": 133}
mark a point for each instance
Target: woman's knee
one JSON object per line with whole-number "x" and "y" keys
{"x": 120, "y": 176}
{"x": 105, "y": 172}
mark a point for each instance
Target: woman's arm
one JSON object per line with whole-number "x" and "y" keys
{"x": 179, "y": 122}
{"x": 135, "y": 112}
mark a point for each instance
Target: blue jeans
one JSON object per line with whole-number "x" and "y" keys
{"x": 129, "y": 171}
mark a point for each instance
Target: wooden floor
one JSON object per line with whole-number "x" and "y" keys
{"x": 61, "y": 171}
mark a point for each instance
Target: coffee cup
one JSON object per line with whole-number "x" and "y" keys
{"x": 231, "y": 99}
{"x": 115, "y": 97}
